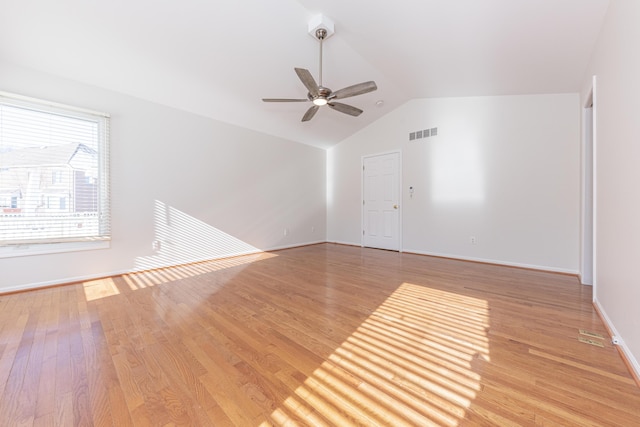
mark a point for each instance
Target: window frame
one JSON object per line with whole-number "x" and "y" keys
{"x": 101, "y": 239}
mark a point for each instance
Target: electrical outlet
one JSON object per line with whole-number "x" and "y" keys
{"x": 313, "y": 228}
{"x": 286, "y": 231}
{"x": 473, "y": 240}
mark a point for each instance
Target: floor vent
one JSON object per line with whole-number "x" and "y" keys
{"x": 591, "y": 338}
{"x": 590, "y": 341}
{"x": 591, "y": 334}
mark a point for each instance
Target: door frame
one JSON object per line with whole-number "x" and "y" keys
{"x": 588, "y": 250}
{"x": 400, "y": 195}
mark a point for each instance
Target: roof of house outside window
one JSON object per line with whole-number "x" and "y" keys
{"x": 47, "y": 156}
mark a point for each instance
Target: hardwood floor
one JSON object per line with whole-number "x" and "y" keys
{"x": 318, "y": 335}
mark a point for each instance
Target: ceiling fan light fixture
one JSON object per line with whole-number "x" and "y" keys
{"x": 320, "y": 101}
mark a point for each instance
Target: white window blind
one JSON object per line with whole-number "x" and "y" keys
{"x": 54, "y": 172}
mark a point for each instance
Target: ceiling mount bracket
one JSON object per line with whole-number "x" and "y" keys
{"x": 321, "y": 22}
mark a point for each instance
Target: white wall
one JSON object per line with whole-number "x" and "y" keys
{"x": 505, "y": 170}
{"x": 616, "y": 65}
{"x": 204, "y": 188}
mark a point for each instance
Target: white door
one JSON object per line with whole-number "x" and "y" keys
{"x": 380, "y": 201}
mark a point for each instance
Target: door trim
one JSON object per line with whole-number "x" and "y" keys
{"x": 400, "y": 194}
{"x": 585, "y": 250}
{"x": 586, "y": 236}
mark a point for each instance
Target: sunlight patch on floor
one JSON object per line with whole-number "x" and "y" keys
{"x": 409, "y": 363}
{"x": 101, "y": 288}
{"x": 159, "y": 276}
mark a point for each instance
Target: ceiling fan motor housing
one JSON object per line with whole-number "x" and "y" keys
{"x": 323, "y": 96}
{"x": 323, "y": 92}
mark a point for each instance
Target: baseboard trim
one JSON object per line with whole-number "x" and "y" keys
{"x": 77, "y": 279}
{"x": 495, "y": 262}
{"x": 338, "y": 242}
{"x": 295, "y": 245}
{"x": 623, "y": 350}
{"x": 66, "y": 281}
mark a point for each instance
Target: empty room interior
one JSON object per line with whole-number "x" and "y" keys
{"x": 319, "y": 213}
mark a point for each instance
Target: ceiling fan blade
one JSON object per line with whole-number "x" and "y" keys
{"x": 284, "y": 100}
{"x": 344, "y": 108}
{"x": 354, "y": 90}
{"x": 307, "y": 79}
{"x": 310, "y": 113}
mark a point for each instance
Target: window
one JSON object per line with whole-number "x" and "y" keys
{"x": 54, "y": 173}
{"x": 56, "y": 177}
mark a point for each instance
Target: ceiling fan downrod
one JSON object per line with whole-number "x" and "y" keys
{"x": 321, "y": 33}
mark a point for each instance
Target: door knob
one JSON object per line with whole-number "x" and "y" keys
{"x": 395, "y": 206}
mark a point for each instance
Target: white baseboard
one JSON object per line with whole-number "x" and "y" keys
{"x": 76, "y": 279}
{"x": 483, "y": 260}
{"x": 295, "y": 245}
{"x": 275, "y": 248}
{"x": 339, "y": 242}
{"x": 494, "y": 261}
{"x": 64, "y": 281}
{"x": 632, "y": 361}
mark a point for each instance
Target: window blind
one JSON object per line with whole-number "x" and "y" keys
{"x": 54, "y": 172}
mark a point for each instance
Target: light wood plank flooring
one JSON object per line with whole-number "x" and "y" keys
{"x": 320, "y": 335}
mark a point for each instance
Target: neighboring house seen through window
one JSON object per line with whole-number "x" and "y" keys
{"x": 54, "y": 164}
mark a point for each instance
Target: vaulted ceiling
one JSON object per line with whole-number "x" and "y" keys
{"x": 218, "y": 58}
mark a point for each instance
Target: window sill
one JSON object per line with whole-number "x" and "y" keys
{"x": 11, "y": 251}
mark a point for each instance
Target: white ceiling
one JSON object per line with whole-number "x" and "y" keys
{"x": 218, "y": 58}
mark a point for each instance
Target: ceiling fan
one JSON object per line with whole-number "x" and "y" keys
{"x": 321, "y": 95}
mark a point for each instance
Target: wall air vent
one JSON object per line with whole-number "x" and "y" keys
{"x": 425, "y": 133}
